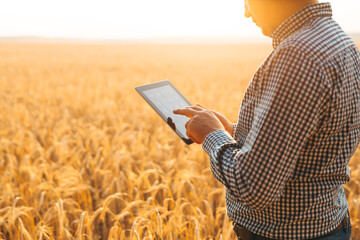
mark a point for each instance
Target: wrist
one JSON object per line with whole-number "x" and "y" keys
{"x": 230, "y": 128}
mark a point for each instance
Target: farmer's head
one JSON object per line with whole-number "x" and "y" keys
{"x": 269, "y": 14}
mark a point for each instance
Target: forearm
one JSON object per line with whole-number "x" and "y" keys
{"x": 226, "y": 169}
{"x": 236, "y": 167}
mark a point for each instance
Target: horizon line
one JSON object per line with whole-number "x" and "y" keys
{"x": 174, "y": 39}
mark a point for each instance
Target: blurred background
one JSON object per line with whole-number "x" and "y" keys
{"x": 142, "y": 20}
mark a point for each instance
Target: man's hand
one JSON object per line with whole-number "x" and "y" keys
{"x": 202, "y": 122}
{"x": 229, "y": 126}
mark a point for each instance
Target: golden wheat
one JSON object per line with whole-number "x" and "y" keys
{"x": 82, "y": 156}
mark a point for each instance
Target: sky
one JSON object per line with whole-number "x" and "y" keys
{"x": 142, "y": 19}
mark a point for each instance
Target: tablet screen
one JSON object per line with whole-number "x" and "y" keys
{"x": 166, "y": 99}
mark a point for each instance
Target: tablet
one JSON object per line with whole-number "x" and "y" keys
{"x": 163, "y": 97}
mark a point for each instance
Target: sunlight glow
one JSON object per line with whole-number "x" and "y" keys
{"x": 137, "y": 19}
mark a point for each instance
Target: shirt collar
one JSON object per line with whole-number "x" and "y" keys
{"x": 298, "y": 20}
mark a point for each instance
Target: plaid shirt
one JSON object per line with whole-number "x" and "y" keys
{"x": 298, "y": 126}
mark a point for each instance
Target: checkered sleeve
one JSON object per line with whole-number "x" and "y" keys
{"x": 286, "y": 114}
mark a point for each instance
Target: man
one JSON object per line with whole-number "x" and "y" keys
{"x": 286, "y": 159}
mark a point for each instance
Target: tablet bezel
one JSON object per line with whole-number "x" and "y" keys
{"x": 141, "y": 89}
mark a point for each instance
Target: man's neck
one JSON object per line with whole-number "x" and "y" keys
{"x": 289, "y": 8}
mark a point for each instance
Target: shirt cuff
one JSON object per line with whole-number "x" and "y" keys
{"x": 215, "y": 140}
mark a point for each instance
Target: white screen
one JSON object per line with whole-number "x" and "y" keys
{"x": 166, "y": 99}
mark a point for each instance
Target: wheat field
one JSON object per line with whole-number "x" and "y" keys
{"x": 82, "y": 156}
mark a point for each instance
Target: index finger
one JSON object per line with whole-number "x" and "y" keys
{"x": 185, "y": 111}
